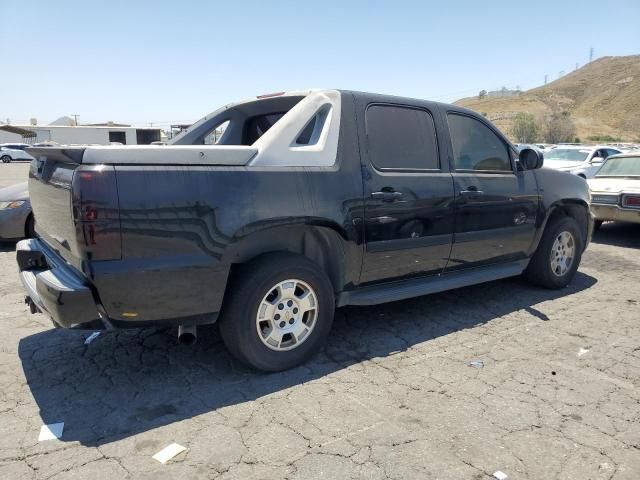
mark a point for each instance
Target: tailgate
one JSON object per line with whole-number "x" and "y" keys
{"x": 75, "y": 205}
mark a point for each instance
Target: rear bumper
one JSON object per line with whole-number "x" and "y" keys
{"x": 54, "y": 287}
{"x": 615, "y": 213}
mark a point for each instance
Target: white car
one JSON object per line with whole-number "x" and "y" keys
{"x": 14, "y": 151}
{"x": 615, "y": 190}
{"x": 581, "y": 160}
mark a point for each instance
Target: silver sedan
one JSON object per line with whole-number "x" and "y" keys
{"x": 16, "y": 219}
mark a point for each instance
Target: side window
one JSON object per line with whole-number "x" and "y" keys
{"x": 401, "y": 138}
{"x": 475, "y": 146}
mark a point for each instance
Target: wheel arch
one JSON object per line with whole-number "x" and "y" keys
{"x": 574, "y": 208}
{"x": 324, "y": 243}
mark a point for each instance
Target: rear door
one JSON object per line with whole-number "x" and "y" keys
{"x": 496, "y": 205}
{"x": 408, "y": 192}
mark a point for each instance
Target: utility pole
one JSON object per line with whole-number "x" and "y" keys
{"x": 576, "y": 65}
{"x": 591, "y": 55}
{"x": 75, "y": 118}
{"x": 545, "y": 79}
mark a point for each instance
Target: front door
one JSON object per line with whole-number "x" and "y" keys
{"x": 496, "y": 204}
{"x": 408, "y": 193}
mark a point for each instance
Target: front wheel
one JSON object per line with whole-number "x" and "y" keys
{"x": 5, "y": 159}
{"x": 558, "y": 256}
{"x": 278, "y": 312}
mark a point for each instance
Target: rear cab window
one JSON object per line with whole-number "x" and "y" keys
{"x": 241, "y": 124}
{"x": 476, "y": 147}
{"x": 401, "y": 138}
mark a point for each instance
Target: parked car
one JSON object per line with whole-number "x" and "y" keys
{"x": 580, "y": 160}
{"x": 16, "y": 219}
{"x": 308, "y": 201}
{"x": 615, "y": 190}
{"x": 14, "y": 151}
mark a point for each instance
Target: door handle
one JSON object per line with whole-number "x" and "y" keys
{"x": 471, "y": 192}
{"x": 387, "y": 196}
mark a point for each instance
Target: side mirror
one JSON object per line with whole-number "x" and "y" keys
{"x": 530, "y": 159}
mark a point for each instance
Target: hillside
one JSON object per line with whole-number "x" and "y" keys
{"x": 603, "y": 98}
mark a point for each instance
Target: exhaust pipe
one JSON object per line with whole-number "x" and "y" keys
{"x": 187, "y": 334}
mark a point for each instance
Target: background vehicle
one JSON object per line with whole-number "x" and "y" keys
{"x": 580, "y": 160}
{"x": 14, "y": 151}
{"x": 308, "y": 200}
{"x": 16, "y": 219}
{"x": 615, "y": 190}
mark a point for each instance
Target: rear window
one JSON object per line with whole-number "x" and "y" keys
{"x": 257, "y": 126}
{"x": 620, "y": 167}
{"x": 241, "y": 124}
{"x": 401, "y": 138}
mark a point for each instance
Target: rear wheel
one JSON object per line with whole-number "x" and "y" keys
{"x": 278, "y": 313}
{"x": 5, "y": 159}
{"x": 558, "y": 256}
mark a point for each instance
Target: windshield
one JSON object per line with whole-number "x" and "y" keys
{"x": 620, "y": 167}
{"x": 567, "y": 154}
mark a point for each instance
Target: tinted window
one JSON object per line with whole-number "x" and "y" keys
{"x": 475, "y": 146}
{"x": 401, "y": 138}
{"x": 258, "y": 126}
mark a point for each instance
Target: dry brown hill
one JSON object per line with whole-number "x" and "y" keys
{"x": 603, "y": 98}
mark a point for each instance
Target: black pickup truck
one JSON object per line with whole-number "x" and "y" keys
{"x": 269, "y": 213}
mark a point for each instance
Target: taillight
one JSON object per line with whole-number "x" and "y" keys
{"x": 96, "y": 214}
{"x": 631, "y": 200}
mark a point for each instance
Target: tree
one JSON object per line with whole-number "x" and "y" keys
{"x": 482, "y": 94}
{"x": 559, "y": 127}
{"x": 525, "y": 128}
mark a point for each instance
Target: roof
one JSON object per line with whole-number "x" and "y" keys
{"x": 18, "y": 130}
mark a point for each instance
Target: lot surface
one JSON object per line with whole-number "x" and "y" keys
{"x": 391, "y": 396}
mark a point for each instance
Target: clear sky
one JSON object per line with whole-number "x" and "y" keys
{"x": 159, "y": 61}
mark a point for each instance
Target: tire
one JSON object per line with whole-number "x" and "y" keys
{"x": 597, "y": 224}
{"x": 276, "y": 340}
{"x": 30, "y": 227}
{"x": 5, "y": 159}
{"x": 544, "y": 269}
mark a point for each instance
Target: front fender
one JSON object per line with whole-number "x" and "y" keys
{"x": 562, "y": 193}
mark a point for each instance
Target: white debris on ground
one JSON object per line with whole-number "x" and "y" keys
{"x": 168, "y": 452}
{"x": 53, "y": 431}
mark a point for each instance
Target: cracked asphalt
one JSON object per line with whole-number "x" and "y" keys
{"x": 391, "y": 396}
